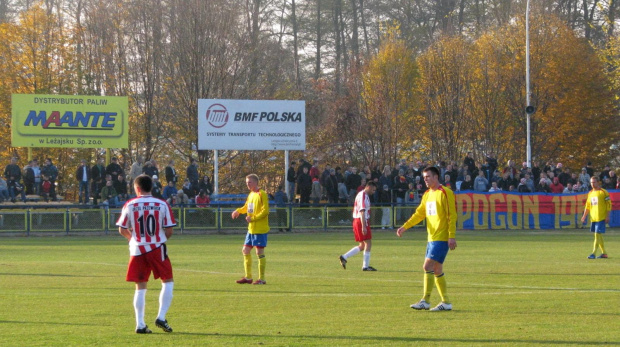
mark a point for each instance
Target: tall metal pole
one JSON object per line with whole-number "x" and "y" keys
{"x": 527, "y": 81}
{"x": 216, "y": 176}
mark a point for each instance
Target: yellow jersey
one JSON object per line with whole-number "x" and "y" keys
{"x": 257, "y": 207}
{"x": 599, "y": 204}
{"x": 439, "y": 208}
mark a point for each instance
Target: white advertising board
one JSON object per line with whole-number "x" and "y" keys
{"x": 251, "y": 124}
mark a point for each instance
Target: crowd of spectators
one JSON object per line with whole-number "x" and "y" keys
{"x": 104, "y": 185}
{"x": 402, "y": 183}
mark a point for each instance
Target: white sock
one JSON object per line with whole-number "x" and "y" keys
{"x": 139, "y": 301}
{"x": 366, "y": 259}
{"x": 351, "y": 253}
{"x": 165, "y": 298}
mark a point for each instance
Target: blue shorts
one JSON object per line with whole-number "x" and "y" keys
{"x": 437, "y": 251}
{"x": 598, "y": 227}
{"x": 256, "y": 240}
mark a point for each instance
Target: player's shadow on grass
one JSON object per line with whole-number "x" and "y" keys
{"x": 379, "y": 339}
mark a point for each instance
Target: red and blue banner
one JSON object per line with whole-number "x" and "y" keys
{"x": 504, "y": 210}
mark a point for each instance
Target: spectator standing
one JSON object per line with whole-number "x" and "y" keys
{"x": 171, "y": 173}
{"x": 469, "y": 162}
{"x": 82, "y": 175}
{"x": 13, "y": 170}
{"x": 314, "y": 170}
{"x": 37, "y": 176}
{"x": 480, "y": 183}
{"x": 97, "y": 174}
{"x": 584, "y": 177}
{"x": 192, "y": 173}
{"x": 353, "y": 181}
{"x": 400, "y": 188}
{"x": 291, "y": 178}
{"x": 304, "y": 185}
{"x": 114, "y": 169}
{"x": 149, "y": 170}
{"x": 316, "y": 193}
{"x": 331, "y": 186}
{"x": 385, "y": 201}
{"x": 29, "y": 178}
{"x": 280, "y": 201}
{"x": 50, "y": 170}
{"x": 135, "y": 171}
{"x": 491, "y": 162}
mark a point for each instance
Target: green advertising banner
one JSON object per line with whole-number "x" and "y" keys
{"x": 70, "y": 121}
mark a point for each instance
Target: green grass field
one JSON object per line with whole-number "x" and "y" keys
{"x": 508, "y": 288}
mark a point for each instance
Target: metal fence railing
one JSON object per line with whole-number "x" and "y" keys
{"x": 29, "y": 219}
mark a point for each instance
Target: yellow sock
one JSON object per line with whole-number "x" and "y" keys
{"x": 261, "y": 267}
{"x": 440, "y": 282}
{"x": 247, "y": 264}
{"x": 595, "y": 243}
{"x": 601, "y": 243}
{"x": 428, "y": 285}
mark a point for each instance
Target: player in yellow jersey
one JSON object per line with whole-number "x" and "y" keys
{"x": 257, "y": 210}
{"x": 598, "y": 205}
{"x": 438, "y": 207}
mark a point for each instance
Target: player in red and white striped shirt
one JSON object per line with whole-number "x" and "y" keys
{"x": 146, "y": 222}
{"x": 361, "y": 227}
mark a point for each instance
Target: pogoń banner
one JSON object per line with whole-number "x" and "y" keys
{"x": 501, "y": 210}
{"x": 69, "y": 121}
{"x": 251, "y": 124}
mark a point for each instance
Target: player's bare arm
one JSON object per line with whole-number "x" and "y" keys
{"x": 168, "y": 232}
{"x": 248, "y": 219}
{"x": 400, "y": 231}
{"x": 125, "y": 232}
{"x": 583, "y": 218}
{"x": 235, "y": 214}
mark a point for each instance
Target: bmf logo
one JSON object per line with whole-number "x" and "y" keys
{"x": 217, "y": 115}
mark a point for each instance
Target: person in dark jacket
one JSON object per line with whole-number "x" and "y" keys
{"x": 97, "y": 174}
{"x": 29, "y": 179}
{"x": 114, "y": 169}
{"x": 13, "y": 170}
{"x": 192, "y": 174}
{"x": 171, "y": 173}
{"x": 304, "y": 185}
{"x": 50, "y": 170}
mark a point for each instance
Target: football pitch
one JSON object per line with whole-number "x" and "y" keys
{"x": 518, "y": 288}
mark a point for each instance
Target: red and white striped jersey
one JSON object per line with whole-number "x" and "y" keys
{"x": 362, "y": 203}
{"x": 146, "y": 217}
